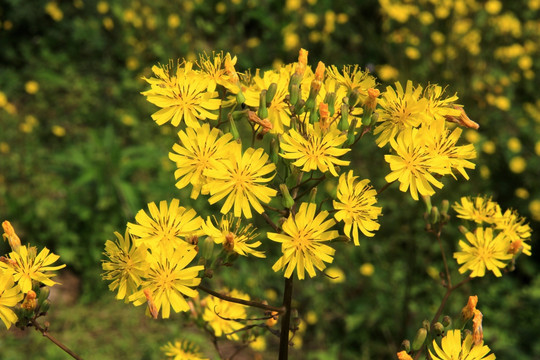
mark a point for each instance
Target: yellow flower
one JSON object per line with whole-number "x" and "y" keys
{"x": 335, "y": 275}
{"x": 182, "y": 350}
{"x": 356, "y": 206}
{"x": 233, "y": 236}
{"x": 182, "y": 95}
{"x": 478, "y": 209}
{"x": 302, "y": 242}
{"x": 387, "y": 72}
{"x": 31, "y": 87}
{"x": 199, "y": 150}
{"x": 173, "y": 21}
{"x": 222, "y": 315}
{"x": 483, "y": 252}
{"x": 29, "y": 266}
{"x": 10, "y": 295}
{"x": 165, "y": 226}
{"x": 453, "y": 348}
{"x": 514, "y": 228}
{"x": 517, "y": 164}
{"x": 399, "y": 111}
{"x": 213, "y": 70}
{"x": 126, "y": 266}
{"x": 353, "y": 78}
{"x": 168, "y": 279}
{"x": 278, "y": 109}
{"x": 240, "y": 179}
{"x": 317, "y": 150}
{"x": 412, "y": 165}
{"x": 514, "y": 145}
{"x": 367, "y": 269}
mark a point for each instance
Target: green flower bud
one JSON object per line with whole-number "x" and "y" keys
{"x": 353, "y": 98}
{"x": 330, "y": 99}
{"x": 374, "y": 118}
{"x": 233, "y": 129}
{"x": 286, "y": 200}
{"x": 344, "y": 121}
{"x": 438, "y": 328}
{"x": 313, "y": 195}
{"x": 263, "y": 111}
{"x": 351, "y": 137}
{"x": 294, "y": 94}
{"x": 43, "y": 295}
{"x": 445, "y": 205}
{"x": 313, "y": 117}
{"x": 299, "y": 107}
{"x": 240, "y": 98}
{"x": 274, "y": 151}
{"x": 207, "y": 248}
{"x": 295, "y": 80}
{"x": 447, "y": 321}
{"x": 419, "y": 339}
{"x": 434, "y": 216}
{"x": 270, "y": 93}
{"x": 427, "y": 201}
{"x": 426, "y": 324}
{"x": 406, "y": 345}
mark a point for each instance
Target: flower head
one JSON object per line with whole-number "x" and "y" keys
{"x": 223, "y": 315}
{"x": 412, "y": 165}
{"x": 29, "y": 266}
{"x": 182, "y": 96}
{"x": 401, "y": 110}
{"x": 516, "y": 230}
{"x": 182, "y": 350}
{"x": 353, "y": 78}
{"x": 240, "y": 178}
{"x": 478, "y": 209}
{"x": 482, "y": 252}
{"x": 199, "y": 150}
{"x": 126, "y": 265}
{"x": 317, "y": 150}
{"x": 167, "y": 225}
{"x": 302, "y": 242}
{"x": 10, "y": 295}
{"x": 168, "y": 279}
{"x": 355, "y": 206}
{"x": 452, "y": 348}
{"x": 230, "y": 233}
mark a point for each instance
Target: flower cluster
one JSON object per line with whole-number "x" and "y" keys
{"x": 25, "y": 278}
{"x": 499, "y": 237}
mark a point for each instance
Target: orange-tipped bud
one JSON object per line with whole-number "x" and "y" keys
{"x": 371, "y": 100}
{"x": 265, "y": 124}
{"x": 302, "y": 62}
{"x": 11, "y": 236}
{"x": 478, "y": 333}
{"x": 319, "y": 72}
{"x": 515, "y": 247}
{"x": 324, "y": 115}
{"x": 463, "y": 119}
{"x": 29, "y": 302}
{"x": 152, "y": 308}
{"x": 402, "y": 355}
{"x": 468, "y": 311}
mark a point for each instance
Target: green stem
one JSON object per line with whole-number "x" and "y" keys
{"x": 255, "y": 304}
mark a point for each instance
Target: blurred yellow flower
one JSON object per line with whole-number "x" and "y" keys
{"x": 514, "y": 145}
{"x": 221, "y": 8}
{"x": 426, "y": 18}
{"x": 258, "y": 344}
{"x": 472, "y": 136}
{"x": 221, "y": 315}
{"x": 291, "y": 41}
{"x": 182, "y": 350}
{"x": 58, "y": 130}
{"x": 311, "y": 317}
{"x": 102, "y": 7}
{"x": 493, "y": 7}
{"x": 253, "y": 42}
{"x": 502, "y": 102}
{"x": 54, "y": 11}
{"x": 4, "y": 147}
{"x": 489, "y": 147}
{"x": 534, "y": 208}
{"x": 367, "y": 269}
{"x": 335, "y": 275}
{"x": 412, "y": 53}
{"x": 173, "y": 21}
{"x": 108, "y": 23}
{"x": 517, "y": 164}
{"x": 537, "y": 148}
{"x": 3, "y": 99}
{"x": 525, "y": 62}
{"x": 342, "y": 18}
{"x": 485, "y": 173}
{"x": 522, "y": 193}
{"x": 387, "y": 72}
{"x": 31, "y": 87}
{"x": 310, "y": 19}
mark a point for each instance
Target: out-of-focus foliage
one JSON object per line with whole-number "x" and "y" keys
{"x": 79, "y": 152}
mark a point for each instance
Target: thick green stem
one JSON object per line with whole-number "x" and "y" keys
{"x": 286, "y": 320}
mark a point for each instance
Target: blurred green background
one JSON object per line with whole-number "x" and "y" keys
{"x": 80, "y": 155}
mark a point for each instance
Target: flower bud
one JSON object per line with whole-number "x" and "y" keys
{"x": 462, "y": 229}
{"x": 286, "y": 200}
{"x": 313, "y": 195}
{"x": 353, "y": 95}
{"x": 406, "y": 345}
{"x": 207, "y": 248}
{"x": 11, "y": 236}
{"x": 294, "y": 94}
{"x": 447, "y": 321}
{"x": 344, "y": 121}
{"x": 274, "y": 151}
{"x": 233, "y": 129}
{"x": 299, "y": 107}
{"x": 434, "y": 216}
{"x": 426, "y": 324}
{"x": 438, "y": 328}
{"x": 374, "y": 118}
{"x": 43, "y": 294}
{"x": 263, "y": 111}
{"x": 313, "y": 117}
{"x": 270, "y": 93}
{"x": 240, "y": 98}
{"x": 330, "y": 99}
{"x": 427, "y": 201}
{"x": 351, "y": 136}
{"x": 29, "y": 302}
{"x": 468, "y": 311}
{"x": 419, "y": 339}
{"x": 44, "y": 306}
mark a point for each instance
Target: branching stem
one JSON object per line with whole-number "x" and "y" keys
{"x": 45, "y": 333}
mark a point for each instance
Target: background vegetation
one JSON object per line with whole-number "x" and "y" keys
{"x": 79, "y": 155}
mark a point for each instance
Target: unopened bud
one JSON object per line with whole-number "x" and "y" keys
{"x": 274, "y": 151}
{"x": 233, "y": 129}
{"x": 270, "y": 93}
{"x": 11, "y": 236}
{"x": 434, "y": 216}
{"x": 263, "y": 111}
{"x": 313, "y": 117}
{"x": 374, "y": 118}
{"x": 286, "y": 200}
{"x": 351, "y": 136}
{"x": 438, "y": 328}
{"x": 406, "y": 345}
{"x": 426, "y": 324}
{"x": 43, "y": 294}
{"x": 353, "y": 97}
{"x": 294, "y": 94}
{"x": 462, "y": 229}
{"x": 445, "y": 205}
{"x": 29, "y": 302}
{"x": 207, "y": 248}
{"x": 240, "y": 98}
{"x": 427, "y": 201}
{"x": 44, "y": 306}
{"x": 447, "y": 321}
{"x": 313, "y": 195}
{"x": 330, "y": 99}
{"x": 419, "y": 339}
{"x": 344, "y": 121}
